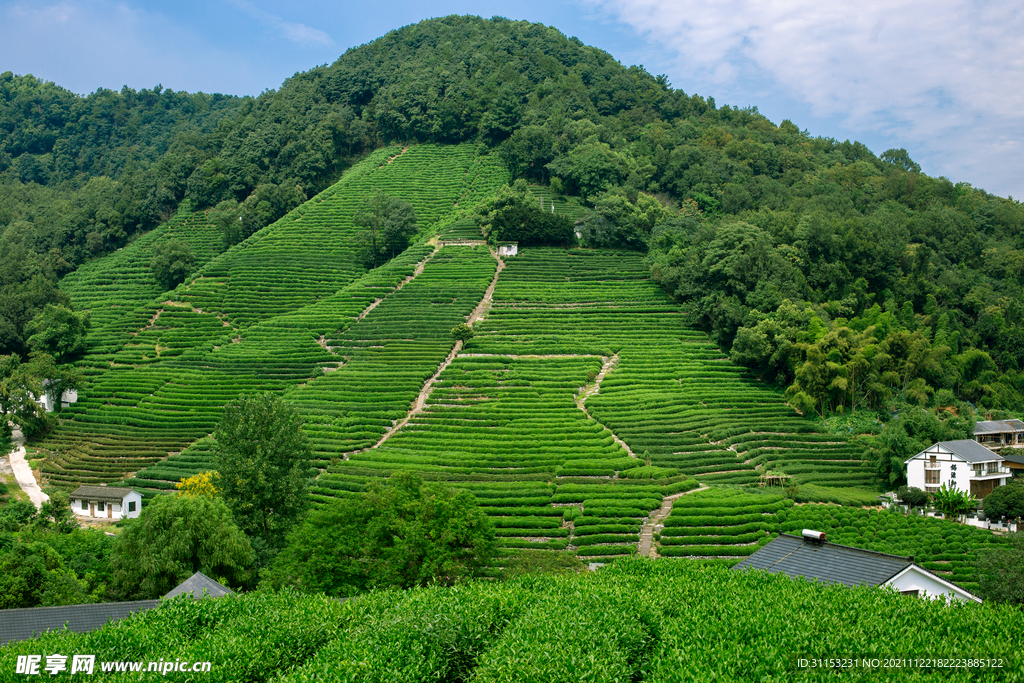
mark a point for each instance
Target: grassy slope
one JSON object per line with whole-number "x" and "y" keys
{"x": 157, "y": 382}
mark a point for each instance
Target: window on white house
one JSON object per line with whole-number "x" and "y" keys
{"x": 99, "y": 507}
{"x": 131, "y": 506}
{"x": 85, "y": 505}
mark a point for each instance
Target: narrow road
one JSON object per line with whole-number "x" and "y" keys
{"x": 648, "y": 529}
{"x": 23, "y": 473}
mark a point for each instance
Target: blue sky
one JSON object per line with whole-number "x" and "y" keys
{"x": 942, "y": 78}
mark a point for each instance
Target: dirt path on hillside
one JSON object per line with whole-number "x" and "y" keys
{"x": 428, "y": 386}
{"x": 416, "y": 271}
{"x": 420, "y": 403}
{"x": 590, "y": 390}
{"x": 23, "y": 473}
{"x": 485, "y": 303}
{"x": 654, "y": 522}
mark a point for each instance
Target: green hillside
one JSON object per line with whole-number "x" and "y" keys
{"x": 248, "y": 320}
{"x": 738, "y": 297}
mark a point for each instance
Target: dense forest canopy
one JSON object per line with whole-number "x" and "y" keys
{"x": 851, "y": 279}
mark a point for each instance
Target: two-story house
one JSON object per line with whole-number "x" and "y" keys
{"x": 965, "y": 465}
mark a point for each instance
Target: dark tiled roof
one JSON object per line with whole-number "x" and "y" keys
{"x": 199, "y": 586}
{"x": 1016, "y": 459}
{"x": 827, "y": 562}
{"x": 100, "y": 493}
{"x": 22, "y": 624}
{"x": 970, "y": 450}
{"x": 998, "y": 426}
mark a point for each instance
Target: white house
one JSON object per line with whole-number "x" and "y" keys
{"x": 106, "y": 502}
{"x": 67, "y": 398}
{"x": 810, "y": 556}
{"x": 509, "y": 249}
{"x": 965, "y": 465}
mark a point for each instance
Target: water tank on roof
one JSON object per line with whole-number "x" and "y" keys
{"x": 812, "y": 535}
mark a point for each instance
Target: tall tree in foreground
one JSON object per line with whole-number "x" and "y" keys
{"x": 173, "y": 538}
{"x": 263, "y": 458}
{"x": 402, "y": 534}
{"x": 389, "y": 224}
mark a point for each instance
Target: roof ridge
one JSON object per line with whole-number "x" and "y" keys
{"x": 862, "y": 550}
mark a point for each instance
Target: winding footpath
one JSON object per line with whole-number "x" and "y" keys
{"x": 647, "y": 532}
{"x": 23, "y": 473}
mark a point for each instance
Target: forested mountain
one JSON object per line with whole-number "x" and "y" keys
{"x": 851, "y": 278}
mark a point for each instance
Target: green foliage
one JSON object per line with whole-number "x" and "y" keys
{"x": 511, "y": 216}
{"x": 618, "y": 624}
{"x": 262, "y": 456}
{"x": 55, "y": 514}
{"x": 402, "y": 534}
{"x": 172, "y": 263}
{"x": 1005, "y": 501}
{"x": 389, "y": 224}
{"x": 1001, "y": 571}
{"x": 19, "y": 385}
{"x": 174, "y": 537}
{"x": 55, "y": 380}
{"x": 912, "y": 496}
{"x": 462, "y": 332}
{"x": 58, "y": 331}
{"x": 529, "y": 561}
{"x": 622, "y": 220}
{"x": 43, "y": 566}
{"x": 953, "y": 502}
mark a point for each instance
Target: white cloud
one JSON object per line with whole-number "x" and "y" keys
{"x": 297, "y": 33}
{"x": 947, "y": 74}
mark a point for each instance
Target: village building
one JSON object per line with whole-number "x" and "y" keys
{"x": 508, "y": 249}
{"x": 964, "y": 465}
{"x": 106, "y": 502}
{"x": 66, "y": 398}
{"x": 812, "y": 557}
{"x": 996, "y": 434}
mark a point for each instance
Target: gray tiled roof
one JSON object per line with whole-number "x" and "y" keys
{"x": 970, "y": 450}
{"x": 22, "y": 624}
{"x": 100, "y": 493}
{"x": 827, "y": 562}
{"x": 199, "y": 585}
{"x": 998, "y": 426}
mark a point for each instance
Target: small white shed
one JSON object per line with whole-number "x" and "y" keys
{"x": 106, "y": 502}
{"x": 508, "y": 249}
{"x": 67, "y": 398}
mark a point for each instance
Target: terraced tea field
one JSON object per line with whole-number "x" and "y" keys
{"x": 254, "y": 318}
{"x": 581, "y": 403}
{"x": 725, "y": 525}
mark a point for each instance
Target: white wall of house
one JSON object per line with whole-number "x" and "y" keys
{"x": 67, "y": 398}
{"x": 952, "y": 470}
{"x": 129, "y": 507}
{"x": 914, "y": 578}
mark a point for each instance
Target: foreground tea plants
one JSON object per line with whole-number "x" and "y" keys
{"x": 637, "y": 620}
